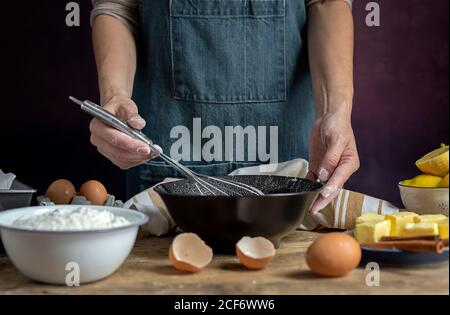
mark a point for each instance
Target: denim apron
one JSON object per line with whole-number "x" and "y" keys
{"x": 221, "y": 63}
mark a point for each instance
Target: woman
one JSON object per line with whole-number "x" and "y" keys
{"x": 172, "y": 67}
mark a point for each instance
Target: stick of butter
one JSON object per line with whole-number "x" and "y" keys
{"x": 433, "y": 218}
{"x": 370, "y": 217}
{"x": 372, "y": 231}
{"x": 420, "y": 229}
{"x": 398, "y": 221}
{"x": 443, "y": 229}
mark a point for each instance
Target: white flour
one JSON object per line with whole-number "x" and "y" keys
{"x": 82, "y": 218}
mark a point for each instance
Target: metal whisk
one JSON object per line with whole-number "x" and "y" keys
{"x": 206, "y": 185}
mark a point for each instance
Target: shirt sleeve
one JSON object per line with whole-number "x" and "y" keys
{"x": 127, "y": 11}
{"x": 311, "y": 2}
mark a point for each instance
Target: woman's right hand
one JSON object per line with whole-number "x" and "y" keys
{"x": 122, "y": 150}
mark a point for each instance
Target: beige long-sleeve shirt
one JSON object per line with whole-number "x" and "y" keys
{"x": 127, "y": 11}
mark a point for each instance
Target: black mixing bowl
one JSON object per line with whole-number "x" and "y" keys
{"x": 221, "y": 221}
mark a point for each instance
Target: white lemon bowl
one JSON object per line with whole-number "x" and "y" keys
{"x": 425, "y": 200}
{"x": 53, "y": 256}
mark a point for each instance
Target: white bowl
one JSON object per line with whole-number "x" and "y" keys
{"x": 425, "y": 200}
{"x": 44, "y": 255}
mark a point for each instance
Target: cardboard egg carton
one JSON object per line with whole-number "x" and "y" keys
{"x": 82, "y": 201}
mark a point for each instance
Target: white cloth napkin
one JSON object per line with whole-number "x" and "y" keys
{"x": 6, "y": 180}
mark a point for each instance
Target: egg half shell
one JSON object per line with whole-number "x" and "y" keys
{"x": 255, "y": 252}
{"x": 189, "y": 253}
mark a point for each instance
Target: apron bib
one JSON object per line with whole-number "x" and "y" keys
{"x": 222, "y": 84}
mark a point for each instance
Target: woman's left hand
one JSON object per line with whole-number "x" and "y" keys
{"x": 333, "y": 156}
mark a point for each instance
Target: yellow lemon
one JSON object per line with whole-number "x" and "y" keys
{"x": 444, "y": 182}
{"x": 424, "y": 181}
{"x": 435, "y": 163}
{"x": 406, "y": 182}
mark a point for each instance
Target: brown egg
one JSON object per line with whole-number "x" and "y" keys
{"x": 333, "y": 255}
{"x": 255, "y": 252}
{"x": 188, "y": 253}
{"x": 61, "y": 192}
{"x": 95, "y": 192}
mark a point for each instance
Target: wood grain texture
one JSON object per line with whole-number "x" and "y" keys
{"x": 147, "y": 271}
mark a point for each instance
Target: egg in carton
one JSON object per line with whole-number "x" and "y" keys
{"x": 92, "y": 192}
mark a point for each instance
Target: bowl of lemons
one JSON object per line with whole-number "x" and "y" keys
{"x": 428, "y": 193}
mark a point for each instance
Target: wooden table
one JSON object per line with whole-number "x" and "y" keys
{"x": 147, "y": 271}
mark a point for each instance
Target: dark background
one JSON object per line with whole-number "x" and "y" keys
{"x": 401, "y": 102}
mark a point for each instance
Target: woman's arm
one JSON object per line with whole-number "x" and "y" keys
{"x": 330, "y": 42}
{"x": 333, "y": 152}
{"x": 115, "y": 55}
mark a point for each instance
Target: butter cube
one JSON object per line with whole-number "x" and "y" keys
{"x": 443, "y": 229}
{"x": 370, "y": 232}
{"x": 398, "y": 221}
{"x": 420, "y": 229}
{"x": 432, "y": 218}
{"x": 370, "y": 217}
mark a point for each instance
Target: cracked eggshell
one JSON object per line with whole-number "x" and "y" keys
{"x": 189, "y": 253}
{"x": 255, "y": 252}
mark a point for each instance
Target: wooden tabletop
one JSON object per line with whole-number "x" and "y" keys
{"x": 147, "y": 271}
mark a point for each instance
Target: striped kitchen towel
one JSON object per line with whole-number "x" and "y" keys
{"x": 341, "y": 213}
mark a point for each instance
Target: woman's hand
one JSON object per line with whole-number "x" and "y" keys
{"x": 333, "y": 156}
{"x": 119, "y": 148}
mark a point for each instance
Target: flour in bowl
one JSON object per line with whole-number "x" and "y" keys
{"x": 79, "y": 219}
